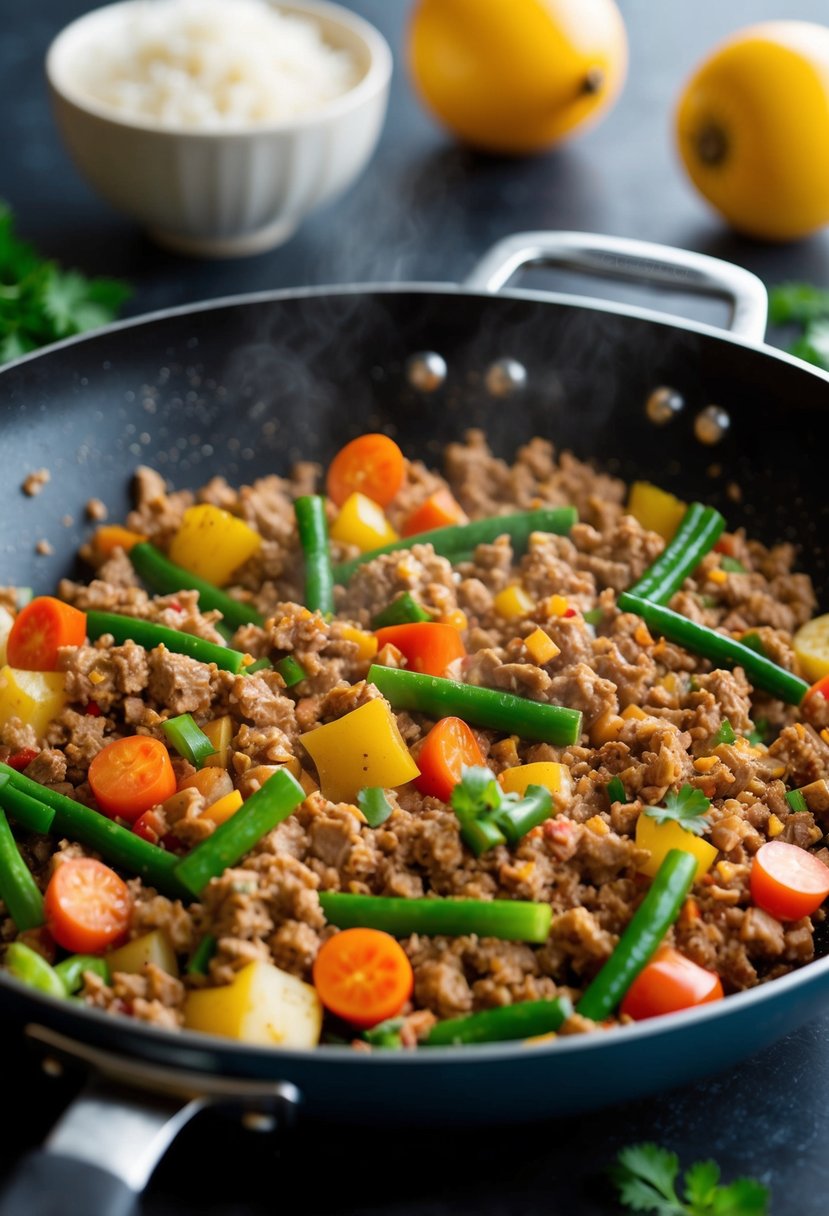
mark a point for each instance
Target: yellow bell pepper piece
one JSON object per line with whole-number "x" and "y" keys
{"x": 149, "y": 948}
{"x": 660, "y": 838}
{"x": 607, "y": 728}
{"x": 513, "y": 602}
{"x": 212, "y": 543}
{"x": 6, "y": 622}
{"x": 541, "y": 647}
{"x": 557, "y": 605}
{"x": 366, "y": 642}
{"x": 554, "y": 777}
{"x": 597, "y": 825}
{"x": 362, "y": 523}
{"x": 363, "y": 748}
{"x": 262, "y": 1005}
{"x": 811, "y": 645}
{"x": 219, "y": 732}
{"x": 223, "y": 808}
{"x": 35, "y": 697}
{"x": 655, "y": 509}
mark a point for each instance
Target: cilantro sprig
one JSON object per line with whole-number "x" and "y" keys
{"x": 646, "y": 1177}
{"x": 489, "y": 817}
{"x": 688, "y": 807}
{"x": 805, "y": 306}
{"x": 41, "y": 303}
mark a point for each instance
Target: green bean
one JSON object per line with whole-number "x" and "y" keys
{"x": 405, "y": 610}
{"x": 512, "y": 920}
{"x": 188, "y": 739}
{"x": 149, "y": 635}
{"x": 18, "y": 890}
{"x": 31, "y": 968}
{"x": 291, "y": 671}
{"x": 272, "y": 803}
{"x": 313, "y": 537}
{"x": 717, "y": 647}
{"x": 503, "y": 711}
{"x": 165, "y": 577}
{"x": 72, "y": 969}
{"x": 698, "y": 532}
{"x": 459, "y": 541}
{"x": 648, "y": 925}
{"x": 522, "y": 1020}
{"x": 29, "y": 812}
{"x": 616, "y": 790}
{"x": 202, "y": 955}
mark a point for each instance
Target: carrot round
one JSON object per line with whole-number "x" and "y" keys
{"x": 787, "y": 881}
{"x": 88, "y": 907}
{"x": 670, "y": 982}
{"x": 372, "y": 465}
{"x": 363, "y": 976}
{"x": 428, "y": 646}
{"x": 449, "y": 746}
{"x": 440, "y": 510}
{"x": 110, "y": 537}
{"x": 131, "y": 775}
{"x": 40, "y": 629}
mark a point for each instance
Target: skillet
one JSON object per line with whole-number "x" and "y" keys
{"x": 246, "y": 386}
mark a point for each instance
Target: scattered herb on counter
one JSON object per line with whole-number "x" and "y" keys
{"x": 41, "y": 303}
{"x": 806, "y": 306}
{"x": 688, "y": 807}
{"x": 646, "y": 1177}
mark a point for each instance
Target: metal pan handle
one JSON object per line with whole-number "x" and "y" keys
{"x": 613, "y": 257}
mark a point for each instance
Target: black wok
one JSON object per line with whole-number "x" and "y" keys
{"x": 244, "y": 387}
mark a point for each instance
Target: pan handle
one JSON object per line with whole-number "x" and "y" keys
{"x": 615, "y": 257}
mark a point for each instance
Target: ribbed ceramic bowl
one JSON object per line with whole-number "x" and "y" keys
{"x": 219, "y": 193}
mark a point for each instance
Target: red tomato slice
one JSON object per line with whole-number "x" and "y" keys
{"x": 668, "y": 983}
{"x": 372, "y": 465}
{"x": 88, "y": 907}
{"x": 40, "y": 629}
{"x": 788, "y": 882}
{"x": 363, "y": 976}
{"x": 448, "y": 747}
{"x": 131, "y": 775}
{"x": 427, "y": 646}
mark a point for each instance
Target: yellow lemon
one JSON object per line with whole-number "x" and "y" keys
{"x": 752, "y": 128}
{"x": 516, "y": 76}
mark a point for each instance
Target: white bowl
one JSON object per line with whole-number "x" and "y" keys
{"x": 229, "y": 191}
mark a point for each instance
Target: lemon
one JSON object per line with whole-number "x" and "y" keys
{"x": 811, "y": 646}
{"x": 752, "y": 128}
{"x": 516, "y": 76}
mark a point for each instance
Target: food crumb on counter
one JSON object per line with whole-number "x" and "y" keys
{"x": 44, "y": 548}
{"x": 34, "y": 482}
{"x": 96, "y": 510}
{"x": 67, "y": 520}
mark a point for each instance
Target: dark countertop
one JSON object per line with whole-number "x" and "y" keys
{"x": 426, "y": 210}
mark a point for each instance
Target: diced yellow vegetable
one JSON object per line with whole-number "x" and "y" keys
{"x": 660, "y": 838}
{"x": 554, "y": 777}
{"x": 633, "y": 711}
{"x": 704, "y": 764}
{"x": 457, "y": 618}
{"x": 775, "y": 826}
{"x": 557, "y": 605}
{"x": 718, "y": 576}
{"x": 35, "y": 697}
{"x": 219, "y": 732}
{"x": 656, "y": 509}
{"x": 212, "y": 543}
{"x": 513, "y": 602}
{"x": 597, "y": 825}
{"x": 362, "y": 523}
{"x": 607, "y": 728}
{"x": 541, "y": 647}
{"x": 6, "y": 622}
{"x": 363, "y": 748}
{"x": 222, "y": 810}
{"x": 366, "y": 642}
{"x": 811, "y": 645}
{"x": 262, "y": 1005}
{"x": 149, "y": 948}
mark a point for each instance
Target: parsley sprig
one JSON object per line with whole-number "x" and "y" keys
{"x": 688, "y": 807}
{"x": 40, "y": 303}
{"x": 646, "y": 1178}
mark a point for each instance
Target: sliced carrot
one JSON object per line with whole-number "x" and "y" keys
{"x": 440, "y": 510}
{"x": 88, "y": 907}
{"x": 110, "y": 537}
{"x": 40, "y": 629}
{"x": 363, "y": 976}
{"x": 449, "y": 745}
{"x": 788, "y": 882}
{"x": 131, "y": 775}
{"x": 372, "y": 465}
{"x": 670, "y": 982}
{"x": 428, "y": 646}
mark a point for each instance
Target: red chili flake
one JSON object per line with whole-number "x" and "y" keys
{"x": 22, "y": 759}
{"x": 569, "y": 612}
{"x": 176, "y": 606}
{"x": 92, "y": 709}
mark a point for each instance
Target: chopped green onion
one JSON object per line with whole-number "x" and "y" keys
{"x": 459, "y": 541}
{"x": 515, "y": 819}
{"x": 503, "y": 711}
{"x": 796, "y": 801}
{"x": 272, "y": 803}
{"x": 188, "y": 739}
{"x": 71, "y": 970}
{"x": 523, "y": 1020}
{"x": 165, "y": 577}
{"x": 698, "y": 532}
{"x": 402, "y": 611}
{"x": 374, "y": 804}
{"x": 731, "y": 565}
{"x": 18, "y": 890}
{"x": 639, "y": 941}
{"x": 31, "y": 968}
{"x": 480, "y": 833}
{"x": 260, "y": 665}
{"x": 511, "y": 920}
{"x": 202, "y": 955}
{"x": 291, "y": 671}
{"x": 616, "y": 790}
{"x": 313, "y": 537}
{"x": 754, "y": 642}
{"x": 725, "y": 734}
{"x": 594, "y": 616}
{"x": 385, "y": 1034}
{"x": 718, "y": 647}
{"x": 149, "y": 635}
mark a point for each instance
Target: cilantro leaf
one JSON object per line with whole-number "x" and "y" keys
{"x": 374, "y": 804}
{"x": 687, "y": 807}
{"x": 701, "y": 1181}
{"x": 646, "y": 1177}
{"x": 477, "y": 793}
{"x": 744, "y": 1197}
{"x": 797, "y": 303}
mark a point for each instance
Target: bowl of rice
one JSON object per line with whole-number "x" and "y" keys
{"x": 219, "y": 124}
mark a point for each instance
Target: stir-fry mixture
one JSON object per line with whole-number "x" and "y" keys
{"x": 373, "y": 755}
